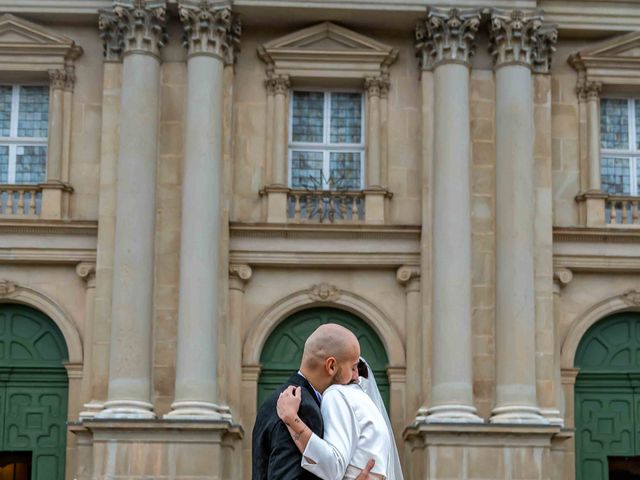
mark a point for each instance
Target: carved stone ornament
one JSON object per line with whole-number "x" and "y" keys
{"x": 447, "y": 35}
{"x": 377, "y": 86}
{"x": 406, "y": 273}
{"x": 141, "y": 24}
{"x": 111, "y": 35}
{"x": 522, "y": 38}
{"x": 278, "y": 84}
{"x": 632, "y": 298}
{"x": 86, "y": 271}
{"x": 70, "y": 77}
{"x": 210, "y": 28}
{"x": 324, "y": 292}
{"x": 563, "y": 276}
{"x": 7, "y": 288}
{"x": 587, "y": 90}
{"x": 241, "y": 271}
{"x": 57, "y": 79}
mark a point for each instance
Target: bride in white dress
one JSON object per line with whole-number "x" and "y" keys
{"x": 356, "y": 429}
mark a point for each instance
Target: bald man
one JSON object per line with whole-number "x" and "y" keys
{"x": 331, "y": 355}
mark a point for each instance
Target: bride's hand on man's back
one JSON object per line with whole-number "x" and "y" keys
{"x": 289, "y": 403}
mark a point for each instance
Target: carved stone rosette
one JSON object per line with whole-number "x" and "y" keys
{"x": 134, "y": 26}
{"x": 446, "y": 36}
{"x": 521, "y": 38}
{"x": 324, "y": 292}
{"x": 210, "y": 29}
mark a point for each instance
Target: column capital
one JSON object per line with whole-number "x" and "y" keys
{"x": 377, "y": 86}
{"x": 210, "y": 28}
{"x": 446, "y": 36}
{"x": 57, "y": 79}
{"x": 409, "y": 276}
{"x": 239, "y": 275}
{"x": 521, "y": 38}
{"x": 111, "y": 35}
{"x": 278, "y": 84}
{"x": 141, "y": 24}
{"x": 561, "y": 278}
{"x": 70, "y": 77}
{"x": 87, "y": 272}
{"x": 588, "y": 90}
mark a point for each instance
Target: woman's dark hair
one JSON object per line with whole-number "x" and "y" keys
{"x": 362, "y": 369}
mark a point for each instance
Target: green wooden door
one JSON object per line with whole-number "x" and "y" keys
{"x": 33, "y": 390}
{"x": 283, "y": 349}
{"x": 607, "y": 395}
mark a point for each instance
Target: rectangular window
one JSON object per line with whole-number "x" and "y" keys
{"x": 620, "y": 146}
{"x": 326, "y": 140}
{"x": 24, "y": 123}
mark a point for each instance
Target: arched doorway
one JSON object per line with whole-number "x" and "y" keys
{"x": 607, "y": 400}
{"x": 33, "y": 395}
{"x": 282, "y": 351}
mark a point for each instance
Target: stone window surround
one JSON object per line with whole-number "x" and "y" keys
{"x": 48, "y": 56}
{"x": 362, "y": 63}
{"x": 603, "y": 70}
{"x": 326, "y": 146}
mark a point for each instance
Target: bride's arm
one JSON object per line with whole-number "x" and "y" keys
{"x": 287, "y": 407}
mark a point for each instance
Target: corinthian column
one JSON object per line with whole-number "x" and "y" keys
{"x": 518, "y": 45}
{"x": 211, "y": 34}
{"x": 142, "y": 27}
{"x": 445, "y": 43}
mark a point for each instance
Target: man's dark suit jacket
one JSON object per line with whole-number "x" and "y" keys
{"x": 274, "y": 454}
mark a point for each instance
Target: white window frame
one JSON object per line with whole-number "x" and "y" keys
{"x": 13, "y": 141}
{"x": 632, "y": 153}
{"x": 326, "y": 147}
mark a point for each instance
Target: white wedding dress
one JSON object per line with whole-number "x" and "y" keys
{"x": 356, "y": 429}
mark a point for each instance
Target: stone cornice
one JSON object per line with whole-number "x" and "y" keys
{"x": 142, "y": 23}
{"x": 604, "y": 235}
{"x": 210, "y": 28}
{"x": 521, "y": 38}
{"x": 446, "y": 36}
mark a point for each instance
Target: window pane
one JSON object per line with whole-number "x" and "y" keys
{"x": 614, "y": 123}
{"x": 5, "y": 110}
{"x": 638, "y": 125}
{"x": 615, "y": 176}
{"x": 34, "y": 112}
{"x": 4, "y": 164}
{"x": 308, "y": 117}
{"x": 306, "y": 170}
{"x": 346, "y": 118}
{"x": 345, "y": 170}
{"x": 31, "y": 162}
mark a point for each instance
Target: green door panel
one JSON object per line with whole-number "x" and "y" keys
{"x": 33, "y": 390}
{"x": 607, "y": 395}
{"x": 283, "y": 349}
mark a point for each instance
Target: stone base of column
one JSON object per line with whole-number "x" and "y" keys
{"x": 130, "y": 450}
{"x": 126, "y": 409}
{"x": 482, "y": 451}
{"x": 91, "y": 409}
{"x": 519, "y": 415}
{"x": 451, "y": 414}
{"x": 199, "y": 411}
{"x": 553, "y": 415}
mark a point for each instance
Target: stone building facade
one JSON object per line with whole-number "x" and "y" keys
{"x": 188, "y": 188}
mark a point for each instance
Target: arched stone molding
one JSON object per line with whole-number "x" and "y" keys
{"x": 629, "y": 301}
{"x": 11, "y": 292}
{"x": 323, "y": 295}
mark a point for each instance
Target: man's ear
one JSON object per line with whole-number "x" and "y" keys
{"x": 330, "y": 365}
